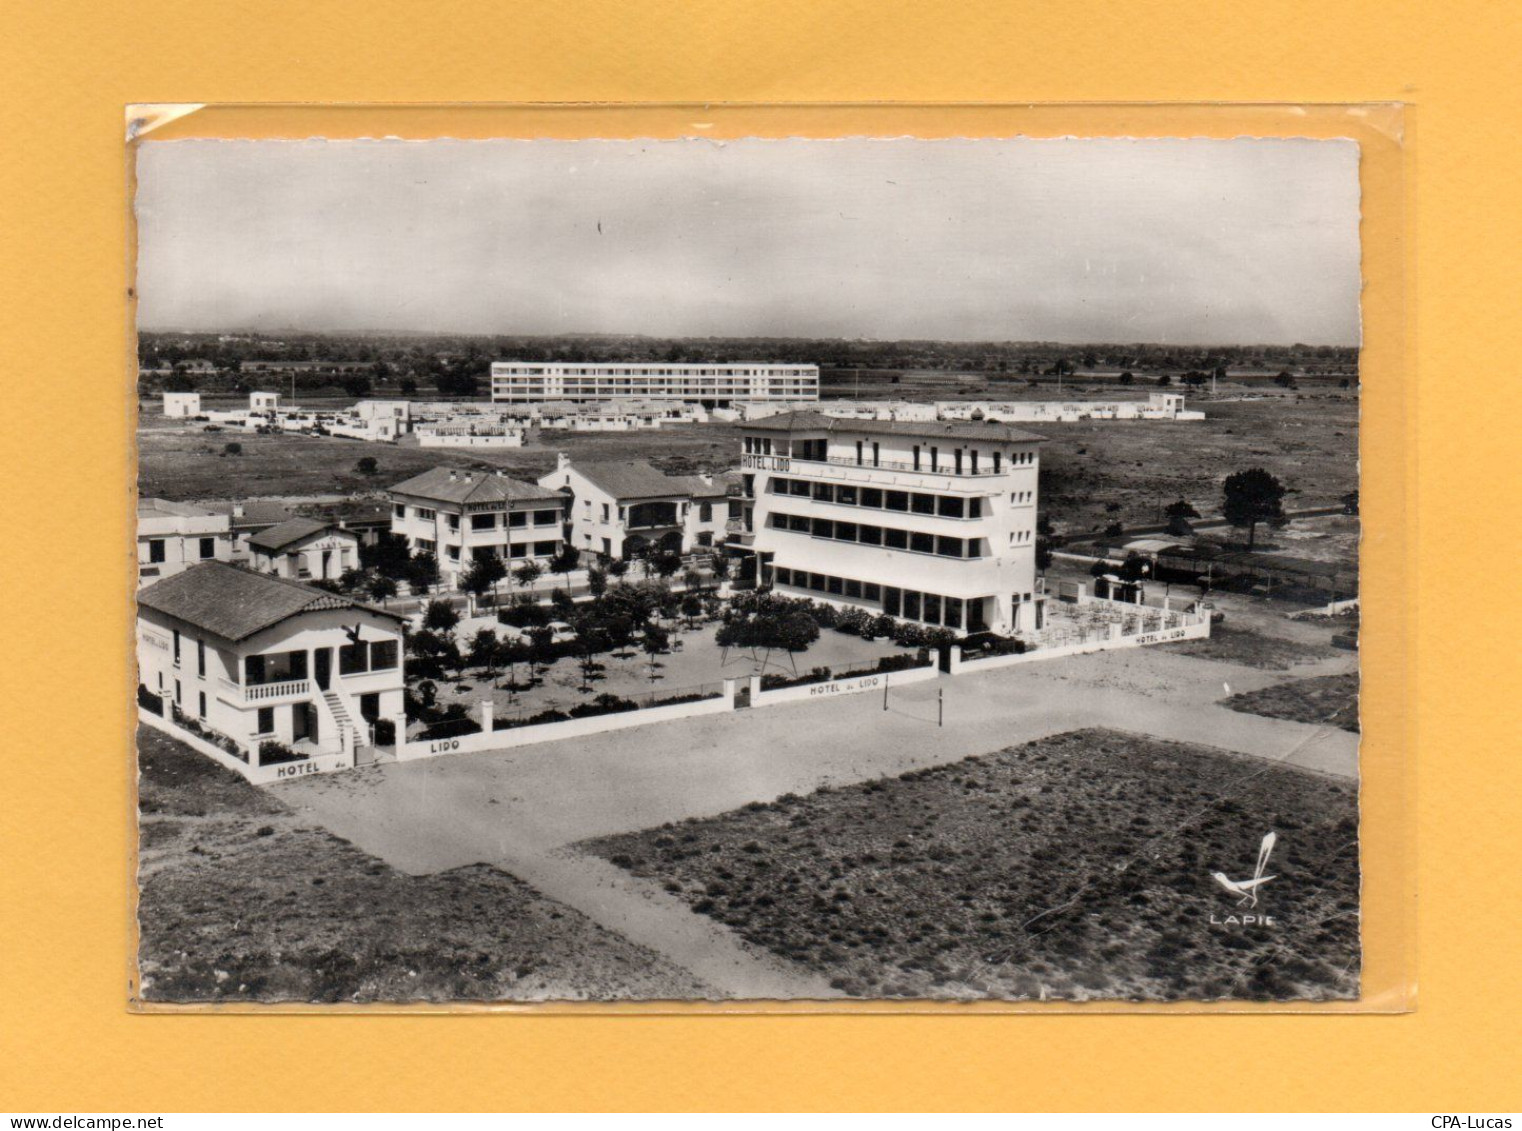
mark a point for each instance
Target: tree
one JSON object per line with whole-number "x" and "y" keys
{"x": 484, "y": 650}
{"x": 387, "y": 554}
{"x": 440, "y": 616}
{"x": 357, "y": 385}
{"x": 565, "y": 561}
{"x": 656, "y": 640}
{"x": 692, "y": 608}
{"x": 597, "y": 581}
{"x": 381, "y": 588}
{"x": 666, "y": 563}
{"x": 563, "y": 604}
{"x": 1250, "y": 497}
{"x": 1163, "y": 380}
{"x": 422, "y": 572}
{"x": 527, "y": 573}
{"x": 1285, "y": 380}
{"x": 692, "y": 579}
{"x": 232, "y": 449}
{"x": 408, "y": 387}
{"x": 618, "y": 567}
{"x": 367, "y": 466}
{"x": 482, "y": 576}
{"x": 1181, "y": 509}
{"x": 1127, "y": 377}
{"x": 720, "y": 566}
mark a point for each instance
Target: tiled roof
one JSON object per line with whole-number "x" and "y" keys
{"x": 283, "y": 534}
{"x": 950, "y": 429}
{"x": 257, "y": 513}
{"x": 235, "y": 603}
{"x": 628, "y": 479}
{"x": 453, "y": 485}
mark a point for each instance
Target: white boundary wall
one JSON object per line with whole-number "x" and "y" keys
{"x": 259, "y": 775}
{"x": 568, "y": 728}
{"x": 872, "y": 681}
{"x": 1197, "y": 631}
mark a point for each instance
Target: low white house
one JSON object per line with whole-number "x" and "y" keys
{"x": 172, "y": 536}
{"x": 618, "y": 509}
{"x": 257, "y": 658}
{"x": 263, "y": 402}
{"x": 304, "y": 548}
{"x": 182, "y": 404}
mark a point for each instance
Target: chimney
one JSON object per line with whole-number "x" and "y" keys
{"x": 237, "y": 510}
{"x": 501, "y": 474}
{"x": 452, "y": 476}
{"x": 562, "y": 461}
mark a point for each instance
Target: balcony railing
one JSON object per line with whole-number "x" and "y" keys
{"x": 258, "y": 692}
{"x": 758, "y": 462}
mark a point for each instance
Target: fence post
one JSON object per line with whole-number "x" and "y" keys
{"x": 755, "y": 689}
{"x": 399, "y": 722}
{"x": 486, "y": 710}
{"x": 729, "y": 693}
{"x": 955, "y": 659}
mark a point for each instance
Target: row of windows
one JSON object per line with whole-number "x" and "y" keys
{"x": 908, "y": 604}
{"x": 921, "y": 457}
{"x": 367, "y": 656}
{"x": 484, "y": 521}
{"x": 914, "y": 541}
{"x": 205, "y": 547}
{"x": 516, "y": 550}
{"x": 907, "y": 502}
{"x": 499, "y": 370}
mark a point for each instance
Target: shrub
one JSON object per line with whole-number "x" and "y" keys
{"x": 385, "y": 732}
{"x": 232, "y": 449}
{"x": 149, "y": 700}
{"x": 855, "y": 621}
{"x": 272, "y": 753}
{"x": 882, "y": 626}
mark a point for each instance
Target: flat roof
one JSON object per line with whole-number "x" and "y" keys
{"x": 810, "y": 421}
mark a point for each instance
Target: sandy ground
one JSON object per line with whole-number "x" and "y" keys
{"x": 520, "y": 809}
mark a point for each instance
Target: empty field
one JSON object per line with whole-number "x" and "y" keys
{"x": 1076, "y": 867}
{"x": 1093, "y": 472}
{"x": 241, "y": 902}
{"x": 1327, "y": 699}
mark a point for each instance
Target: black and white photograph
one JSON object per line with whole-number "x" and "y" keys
{"x": 853, "y": 570}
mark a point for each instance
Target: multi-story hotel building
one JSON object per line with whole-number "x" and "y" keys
{"x": 708, "y": 383}
{"x": 926, "y": 521}
{"x": 460, "y": 515}
{"x": 627, "y": 508}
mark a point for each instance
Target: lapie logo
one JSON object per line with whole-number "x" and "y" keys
{"x": 1247, "y": 890}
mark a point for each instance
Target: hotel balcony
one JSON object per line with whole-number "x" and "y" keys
{"x": 884, "y": 473}
{"x": 239, "y": 694}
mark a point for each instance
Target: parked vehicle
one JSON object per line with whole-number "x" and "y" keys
{"x": 560, "y": 632}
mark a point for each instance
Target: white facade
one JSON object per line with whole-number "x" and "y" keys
{"x": 323, "y": 554}
{"x": 314, "y": 681}
{"x": 1157, "y": 406}
{"x": 705, "y": 382}
{"x": 172, "y": 536}
{"x": 182, "y": 404}
{"x": 616, "y": 512}
{"x": 264, "y": 402}
{"x": 932, "y": 523}
{"x": 460, "y": 515}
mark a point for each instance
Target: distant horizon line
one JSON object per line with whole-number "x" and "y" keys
{"x": 295, "y": 332}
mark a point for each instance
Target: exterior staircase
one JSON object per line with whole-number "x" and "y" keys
{"x": 345, "y": 721}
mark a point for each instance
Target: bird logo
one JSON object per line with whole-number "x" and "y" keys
{"x": 1247, "y": 890}
{"x": 353, "y": 633}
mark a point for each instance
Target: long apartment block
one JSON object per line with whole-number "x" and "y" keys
{"x": 710, "y": 383}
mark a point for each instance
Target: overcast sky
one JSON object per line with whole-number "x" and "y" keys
{"x": 1150, "y": 241}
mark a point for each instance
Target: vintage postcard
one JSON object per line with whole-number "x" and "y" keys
{"x": 780, "y": 570}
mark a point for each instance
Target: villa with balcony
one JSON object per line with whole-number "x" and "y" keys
{"x": 460, "y": 515}
{"x": 257, "y": 658}
{"x": 927, "y": 521}
{"x": 627, "y": 509}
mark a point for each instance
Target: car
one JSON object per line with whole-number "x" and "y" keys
{"x": 560, "y": 632}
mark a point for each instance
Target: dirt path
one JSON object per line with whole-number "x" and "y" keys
{"x": 644, "y": 914}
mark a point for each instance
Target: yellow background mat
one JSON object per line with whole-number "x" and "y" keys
{"x": 67, "y": 1040}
